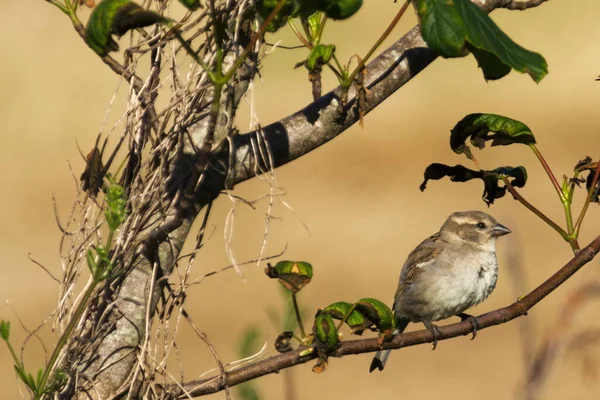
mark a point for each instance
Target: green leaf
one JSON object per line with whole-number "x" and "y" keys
{"x": 313, "y": 22}
{"x": 116, "y": 206}
{"x": 40, "y": 374}
{"x": 115, "y": 17}
{"x": 339, "y": 9}
{"x": 454, "y": 27}
{"x": 288, "y": 10}
{"x": 326, "y": 339}
{"x": 91, "y": 262}
{"x": 504, "y": 131}
{"x": 325, "y": 331}
{"x": 293, "y": 275}
{"x": 356, "y": 321}
{"x": 5, "y": 330}
{"x": 104, "y": 266}
{"x": 25, "y": 377}
{"x": 378, "y": 312}
{"x": 491, "y": 179}
{"x": 319, "y": 56}
{"x": 29, "y": 381}
{"x": 191, "y": 4}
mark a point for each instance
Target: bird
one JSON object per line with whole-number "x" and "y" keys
{"x": 447, "y": 273}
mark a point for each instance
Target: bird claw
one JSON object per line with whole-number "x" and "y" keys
{"x": 472, "y": 320}
{"x": 435, "y": 332}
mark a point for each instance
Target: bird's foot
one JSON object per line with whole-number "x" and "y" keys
{"x": 472, "y": 321}
{"x": 434, "y": 330}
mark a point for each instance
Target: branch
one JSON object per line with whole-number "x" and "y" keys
{"x": 500, "y": 316}
{"x": 321, "y": 121}
{"x": 522, "y": 5}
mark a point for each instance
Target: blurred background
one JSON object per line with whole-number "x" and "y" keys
{"x": 358, "y": 196}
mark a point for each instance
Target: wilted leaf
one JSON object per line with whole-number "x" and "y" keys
{"x": 283, "y": 342}
{"x": 293, "y": 275}
{"x": 378, "y": 312}
{"x": 132, "y": 16}
{"x": 491, "y": 179}
{"x": 502, "y": 131}
{"x": 454, "y": 27}
{"x": 92, "y": 177}
{"x": 115, "y": 17}
{"x": 191, "y": 4}
{"x": 320, "y": 366}
{"x": 588, "y": 165}
{"x": 88, "y": 3}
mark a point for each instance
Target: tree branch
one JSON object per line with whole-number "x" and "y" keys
{"x": 321, "y": 121}
{"x": 522, "y": 5}
{"x": 500, "y": 316}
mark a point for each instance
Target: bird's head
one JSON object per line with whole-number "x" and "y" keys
{"x": 474, "y": 228}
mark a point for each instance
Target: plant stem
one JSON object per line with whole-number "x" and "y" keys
{"x": 564, "y": 198}
{"x": 62, "y": 341}
{"x": 255, "y": 37}
{"x": 534, "y": 210}
{"x": 61, "y": 7}
{"x": 16, "y": 359}
{"x": 548, "y": 171}
{"x": 298, "y": 317}
{"x": 191, "y": 51}
{"x": 385, "y": 34}
{"x": 588, "y": 200}
{"x": 309, "y": 46}
{"x": 76, "y": 317}
{"x": 320, "y": 30}
{"x": 568, "y": 216}
{"x": 299, "y": 35}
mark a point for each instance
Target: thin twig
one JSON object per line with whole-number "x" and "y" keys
{"x": 39, "y": 264}
{"x": 375, "y": 46}
{"x": 533, "y": 209}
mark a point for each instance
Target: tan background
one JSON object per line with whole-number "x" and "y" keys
{"x": 358, "y": 195}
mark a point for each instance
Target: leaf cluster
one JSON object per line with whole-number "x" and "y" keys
{"x": 325, "y": 336}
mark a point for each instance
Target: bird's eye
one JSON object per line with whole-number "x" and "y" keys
{"x": 480, "y": 225}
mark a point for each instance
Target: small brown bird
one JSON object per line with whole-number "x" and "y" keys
{"x": 446, "y": 274}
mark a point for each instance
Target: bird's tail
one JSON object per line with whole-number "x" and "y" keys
{"x": 382, "y": 355}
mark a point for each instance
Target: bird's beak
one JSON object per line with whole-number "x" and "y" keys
{"x": 500, "y": 230}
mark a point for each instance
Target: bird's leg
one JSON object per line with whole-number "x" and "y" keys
{"x": 435, "y": 332}
{"x": 472, "y": 321}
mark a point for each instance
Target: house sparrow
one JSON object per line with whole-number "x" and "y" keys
{"x": 446, "y": 274}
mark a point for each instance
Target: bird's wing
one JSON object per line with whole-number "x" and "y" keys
{"x": 423, "y": 254}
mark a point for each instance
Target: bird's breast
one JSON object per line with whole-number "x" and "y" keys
{"x": 446, "y": 291}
